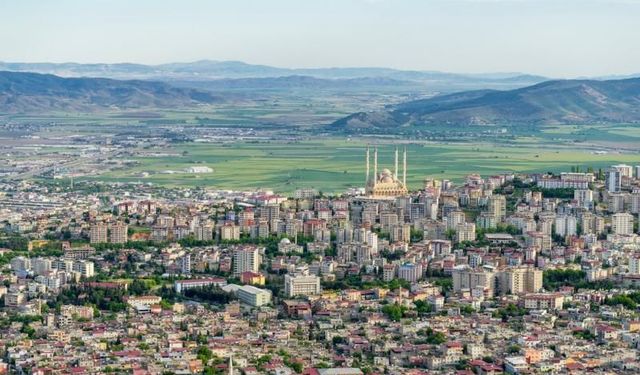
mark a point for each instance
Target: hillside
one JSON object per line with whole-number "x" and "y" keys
{"x": 297, "y": 82}
{"x": 198, "y": 72}
{"x": 31, "y": 92}
{"x": 551, "y": 102}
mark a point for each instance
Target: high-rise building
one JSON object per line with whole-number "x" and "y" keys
{"x": 539, "y": 240}
{"x": 364, "y": 253}
{"x": 271, "y": 213}
{"x": 622, "y": 223}
{"x": 566, "y": 225}
{"x": 613, "y": 180}
{"x": 634, "y": 264}
{"x": 20, "y": 263}
{"x": 98, "y": 233}
{"x": 616, "y": 202}
{"x": 119, "y": 233}
{"x": 455, "y": 218}
{"x": 246, "y": 259}
{"x": 584, "y": 197}
{"x": 599, "y": 225}
{"x": 520, "y": 280}
{"x": 466, "y": 232}
{"x": 84, "y": 267}
{"x": 466, "y": 278}
{"x": 301, "y": 285}
{"x": 41, "y": 266}
{"x": 587, "y": 222}
{"x": 625, "y": 170}
{"x": 246, "y": 219}
{"x": 165, "y": 221}
{"x": 204, "y": 232}
{"x": 305, "y": 193}
{"x": 229, "y": 232}
{"x": 260, "y": 229}
{"x": 401, "y": 233}
{"x": 497, "y": 207}
{"x": 410, "y": 272}
{"x": 545, "y": 224}
{"x": 186, "y": 264}
{"x": 388, "y": 272}
{"x": 634, "y": 202}
{"x": 65, "y": 265}
{"x": 388, "y": 219}
{"x": 486, "y": 221}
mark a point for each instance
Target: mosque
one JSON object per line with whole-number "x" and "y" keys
{"x": 386, "y": 184}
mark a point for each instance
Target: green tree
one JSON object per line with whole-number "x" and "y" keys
{"x": 394, "y": 312}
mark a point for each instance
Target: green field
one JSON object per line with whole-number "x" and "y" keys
{"x": 332, "y": 165}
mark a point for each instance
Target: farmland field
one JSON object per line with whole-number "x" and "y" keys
{"x": 334, "y": 164}
{"x": 280, "y": 145}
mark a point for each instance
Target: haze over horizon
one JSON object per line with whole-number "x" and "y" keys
{"x": 556, "y": 39}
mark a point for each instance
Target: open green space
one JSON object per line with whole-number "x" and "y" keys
{"x": 332, "y": 165}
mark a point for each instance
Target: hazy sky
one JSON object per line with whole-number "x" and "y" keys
{"x": 559, "y": 38}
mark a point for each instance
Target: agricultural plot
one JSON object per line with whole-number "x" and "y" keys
{"x": 332, "y": 165}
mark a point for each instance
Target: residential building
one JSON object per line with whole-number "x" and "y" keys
{"x": 301, "y": 285}
{"x": 246, "y": 259}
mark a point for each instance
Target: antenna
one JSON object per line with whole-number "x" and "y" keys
{"x": 395, "y": 171}
{"x": 375, "y": 166}
{"x": 367, "y": 180}
{"x": 404, "y": 167}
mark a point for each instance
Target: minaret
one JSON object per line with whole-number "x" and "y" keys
{"x": 366, "y": 182}
{"x": 375, "y": 166}
{"x": 404, "y": 167}
{"x": 395, "y": 171}
{"x": 231, "y": 365}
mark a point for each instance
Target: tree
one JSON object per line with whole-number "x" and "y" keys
{"x": 139, "y": 287}
{"x": 394, "y": 312}
{"x": 555, "y": 278}
{"x": 513, "y": 349}
{"x": 432, "y": 337}
{"x": 450, "y": 234}
{"x": 296, "y": 366}
{"x": 204, "y": 354}
{"x": 422, "y": 307}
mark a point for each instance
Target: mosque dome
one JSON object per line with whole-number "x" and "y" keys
{"x": 386, "y": 176}
{"x": 386, "y": 183}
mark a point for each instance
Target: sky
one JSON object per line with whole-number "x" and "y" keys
{"x": 555, "y": 38}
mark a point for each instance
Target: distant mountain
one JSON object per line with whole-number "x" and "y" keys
{"x": 295, "y": 82}
{"x": 31, "y": 92}
{"x": 219, "y": 69}
{"x": 551, "y": 102}
{"x": 207, "y": 70}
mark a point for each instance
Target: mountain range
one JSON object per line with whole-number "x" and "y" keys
{"x": 299, "y": 82}
{"x": 208, "y": 70}
{"x": 551, "y": 102}
{"x": 32, "y": 92}
{"x": 548, "y": 102}
{"x": 211, "y": 69}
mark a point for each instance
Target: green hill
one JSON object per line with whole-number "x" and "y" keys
{"x": 550, "y": 102}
